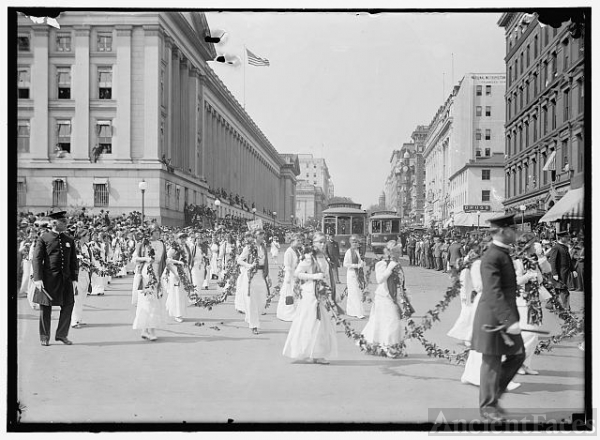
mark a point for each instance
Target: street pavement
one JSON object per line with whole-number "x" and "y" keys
{"x": 221, "y": 372}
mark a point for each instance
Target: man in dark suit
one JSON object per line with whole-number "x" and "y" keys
{"x": 332, "y": 250}
{"x": 562, "y": 267}
{"x": 55, "y": 269}
{"x": 497, "y": 307}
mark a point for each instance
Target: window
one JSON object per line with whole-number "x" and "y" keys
{"x": 479, "y": 90}
{"x": 526, "y": 134}
{"x": 177, "y": 196}
{"x": 565, "y": 153}
{"x": 64, "y": 82}
{"x": 488, "y": 134}
{"x": 104, "y": 132}
{"x": 535, "y": 46}
{"x": 546, "y": 36}
{"x": 59, "y": 193}
{"x": 535, "y": 85}
{"x": 186, "y": 195}
{"x": 516, "y": 68}
{"x": 553, "y": 114}
{"x": 23, "y": 133}
{"x": 104, "y": 43}
{"x": 526, "y": 92}
{"x": 488, "y": 152}
{"x": 545, "y": 120}
{"x": 478, "y": 110}
{"x": 566, "y": 109}
{"x": 488, "y": 90}
{"x": 520, "y": 97}
{"x": 167, "y": 194}
{"x": 23, "y": 44}
{"x": 21, "y": 194}
{"x": 534, "y": 181}
{"x": 485, "y": 174}
{"x": 24, "y": 83}
{"x": 520, "y": 138}
{"x": 554, "y": 64}
{"x": 535, "y": 126}
{"x": 101, "y": 194}
{"x": 478, "y": 134}
{"x": 104, "y": 82}
{"x": 527, "y": 60}
{"x": 63, "y": 137}
{"x": 508, "y": 188}
{"x": 522, "y": 63}
{"x": 162, "y": 134}
{"x": 509, "y": 101}
{"x": 566, "y": 49}
{"x": 580, "y": 102}
{"x": 488, "y": 110}
{"x": 478, "y": 152}
{"x": 162, "y": 87}
{"x": 63, "y": 42}
{"x": 510, "y": 75}
{"x": 485, "y": 195}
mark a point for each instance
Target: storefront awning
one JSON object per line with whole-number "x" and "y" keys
{"x": 550, "y": 164}
{"x": 470, "y": 218}
{"x": 570, "y": 207}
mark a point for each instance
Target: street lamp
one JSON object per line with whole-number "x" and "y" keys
{"x": 478, "y": 214}
{"x": 274, "y": 217}
{"x": 143, "y": 186}
{"x": 292, "y": 219}
{"x": 254, "y": 213}
{"x": 522, "y": 208}
{"x": 217, "y": 204}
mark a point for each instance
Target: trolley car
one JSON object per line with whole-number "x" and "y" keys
{"x": 343, "y": 219}
{"x": 383, "y": 227}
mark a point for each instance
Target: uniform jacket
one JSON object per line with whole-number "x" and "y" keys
{"x": 332, "y": 250}
{"x": 561, "y": 262}
{"x": 497, "y": 305}
{"x": 55, "y": 263}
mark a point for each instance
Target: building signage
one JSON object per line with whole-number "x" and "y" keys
{"x": 475, "y": 208}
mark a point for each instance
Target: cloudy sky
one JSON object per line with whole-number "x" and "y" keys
{"x": 351, "y": 87}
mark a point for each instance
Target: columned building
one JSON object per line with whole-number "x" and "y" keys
{"x": 112, "y": 99}
{"x": 462, "y": 147}
{"x": 310, "y": 202}
{"x": 545, "y": 137}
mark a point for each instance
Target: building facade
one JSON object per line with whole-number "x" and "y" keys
{"x": 315, "y": 187}
{"x": 111, "y": 99}
{"x": 310, "y": 203}
{"x": 464, "y": 136}
{"x": 545, "y": 141}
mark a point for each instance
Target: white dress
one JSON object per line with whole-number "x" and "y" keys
{"x": 118, "y": 245}
{"x": 241, "y": 289}
{"x": 310, "y": 337}
{"x": 384, "y": 326}
{"x": 530, "y": 340}
{"x": 83, "y": 282}
{"x": 26, "y": 265}
{"x": 98, "y": 282}
{"x": 214, "y": 259}
{"x": 254, "y": 291}
{"x": 199, "y": 268}
{"x": 472, "y": 370}
{"x": 463, "y": 327}
{"x": 286, "y": 312}
{"x": 150, "y": 311}
{"x": 31, "y": 286}
{"x": 274, "y": 249}
{"x": 131, "y": 263}
{"x": 354, "y": 306}
{"x": 177, "y": 299}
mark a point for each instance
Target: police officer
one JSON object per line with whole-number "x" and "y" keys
{"x": 497, "y": 307}
{"x": 55, "y": 272}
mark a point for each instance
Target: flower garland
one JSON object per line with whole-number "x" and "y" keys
{"x": 188, "y": 286}
{"x": 530, "y": 293}
{"x": 401, "y": 298}
{"x": 277, "y": 289}
{"x": 229, "y": 284}
{"x": 25, "y": 252}
{"x": 253, "y": 259}
{"x": 108, "y": 268}
{"x": 153, "y": 281}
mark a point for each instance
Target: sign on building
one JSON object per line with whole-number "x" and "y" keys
{"x": 475, "y": 208}
{"x": 253, "y": 225}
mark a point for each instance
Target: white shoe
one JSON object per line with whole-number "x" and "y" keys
{"x": 521, "y": 371}
{"x": 528, "y": 370}
{"x": 178, "y": 319}
{"x": 512, "y": 386}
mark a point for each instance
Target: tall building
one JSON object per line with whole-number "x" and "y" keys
{"x": 417, "y": 212}
{"x": 463, "y": 154}
{"x": 115, "y": 98}
{"x": 315, "y": 187}
{"x": 545, "y": 137}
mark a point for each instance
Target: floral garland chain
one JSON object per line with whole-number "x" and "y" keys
{"x": 153, "y": 281}
{"x": 277, "y": 289}
{"x": 188, "y": 286}
{"x": 229, "y": 285}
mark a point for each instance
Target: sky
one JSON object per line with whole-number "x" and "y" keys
{"x": 351, "y": 87}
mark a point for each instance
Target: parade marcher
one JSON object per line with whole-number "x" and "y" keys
{"x": 214, "y": 258}
{"x": 98, "y": 258}
{"x": 332, "y": 251}
{"x": 242, "y": 282}
{"x": 119, "y": 246}
{"x": 55, "y": 272}
{"x": 463, "y": 327}
{"x": 353, "y": 262}
{"x": 410, "y": 247}
{"x": 199, "y": 262}
{"x": 455, "y": 251}
{"x": 24, "y": 249}
{"x": 177, "y": 299}
{"x": 312, "y": 334}
{"x": 286, "y": 307}
{"x": 108, "y": 252}
{"x": 275, "y": 248}
{"x": 84, "y": 279}
{"x": 131, "y": 244}
{"x": 562, "y": 268}
{"x": 497, "y": 307}
{"x": 254, "y": 258}
{"x": 385, "y": 321}
{"x": 437, "y": 254}
{"x": 151, "y": 261}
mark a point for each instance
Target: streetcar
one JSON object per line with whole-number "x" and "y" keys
{"x": 343, "y": 219}
{"x": 383, "y": 227}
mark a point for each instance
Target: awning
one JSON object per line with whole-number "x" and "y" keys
{"x": 100, "y": 180}
{"x": 470, "y": 218}
{"x": 570, "y": 207}
{"x": 550, "y": 164}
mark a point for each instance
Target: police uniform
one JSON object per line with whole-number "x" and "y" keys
{"x": 55, "y": 263}
{"x": 497, "y": 306}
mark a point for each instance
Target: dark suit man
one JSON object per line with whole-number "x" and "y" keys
{"x": 562, "y": 267}
{"x": 56, "y": 270}
{"x": 332, "y": 250}
{"x": 455, "y": 251}
{"x": 497, "y": 306}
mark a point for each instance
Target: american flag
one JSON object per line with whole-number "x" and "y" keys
{"x": 253, "y": 60}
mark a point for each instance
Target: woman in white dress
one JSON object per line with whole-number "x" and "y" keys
{"x": 199, "y": 263}
{"x": 312, "y": 333}
{"x": 286, "y": 307}
{"x": 463, "y": 327}
{"x": 228, "y": 252}
{"x": 353, "y": 263}
{"x": 150, "y": 311}
{"x": 84, "y": 256}
{"x": 254, "y": 258}
{"x": 275, "y": 248}
{"x": 177, "y": 298}
{"x": 98, "y": 258}
{"x": 214, "y": 258}
{"x": 524, "y": 276}
{"x": 119, "y": 245}
{"x": 472, "y": 372}
{"x": 108, "y": 253}
{"x": 24, "y": 249}
{"x": 131, "y": 245}
{"x": 385, "y": 324}
{"x": 242, "y": 284}
{"x": 31, "y": 286}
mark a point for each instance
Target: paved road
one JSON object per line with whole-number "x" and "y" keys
{"x": 203, "y": 374}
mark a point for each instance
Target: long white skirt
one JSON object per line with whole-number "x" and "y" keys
{"x": 463, "y": 327}
{"x": 254, "y": 303}
{"x": 286, "y": 312}
{"x": 241, "y": 289}
{"x": 116, "y": 260}
{"x": 199, "y": 276}
{"x": 26, "y": 280}
{"x": 83, "y": 282}
{"x": 530, "y": 340}
{"x": 177, "y": 299}
{"x": 354, "y": 306}
{"x": 150, "y": 311}
{"x": 384, "y": 326}
{"x": 137, "y": 277}
{"x": 472, "y": 372}
{"x": 98, "y": 284}
{"x": 310, "y": 337}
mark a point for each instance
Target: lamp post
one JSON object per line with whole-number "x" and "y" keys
{"x": 292, "y": 219}
{"x": 274, "y": 217}
{"x": 522, "y": 208}
{"x": 143, "y": 186}
{"x": 478, "y": 214}
{"x": 253, "y": 213}
{"x": 217, "y": 204}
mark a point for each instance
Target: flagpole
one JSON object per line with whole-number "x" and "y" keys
{"x": 245, "y": 62}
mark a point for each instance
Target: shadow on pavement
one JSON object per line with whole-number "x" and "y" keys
{"x": 547, "y": 387}
{"x": 376, "y": 362}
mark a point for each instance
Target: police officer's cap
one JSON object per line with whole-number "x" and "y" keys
{"x": 562, "y": 233}
{"x": 504, "y": 221}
